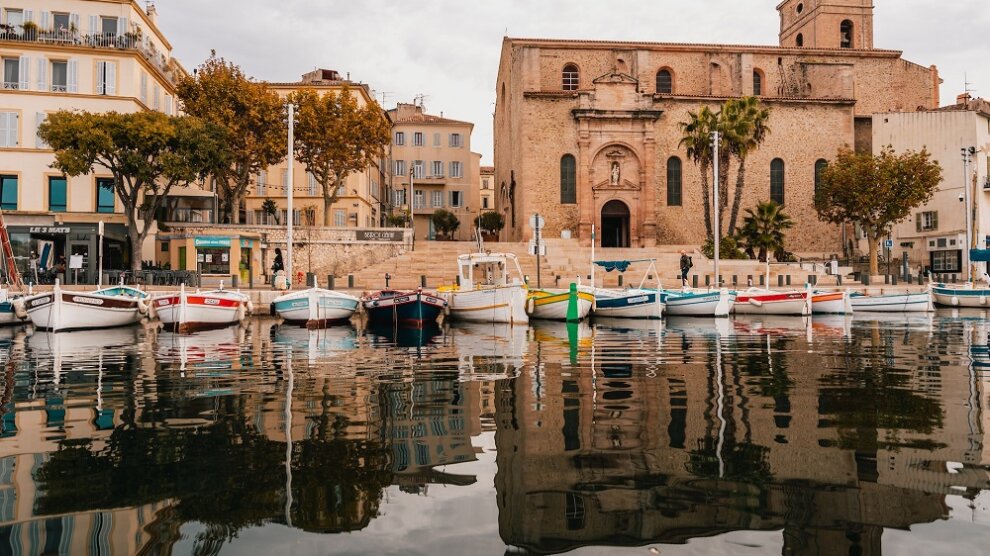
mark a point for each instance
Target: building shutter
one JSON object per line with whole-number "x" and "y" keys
{"x": 8, "y": 129}
{"x": 44, "y": 21}
{"x": 24, "y": 68}
{"x": 143, "y": 93}
{"x": 935, "y": 220}
{"x": 111, "y": 84}
{"x": 311, "y": 181}
{"x": 94, "y": 25}
{"x": 42, "y": 81}
{"x": 73, "y": 71}
{"x": 917, "y": 222}
{"x": 73, "y": 23}
{"x": 38, "y": 141}
{"x": 122, "y": 26}
{"x": 28, "y": 15}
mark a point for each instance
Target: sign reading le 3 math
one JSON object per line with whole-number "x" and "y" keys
{"x": 379, "y": 235}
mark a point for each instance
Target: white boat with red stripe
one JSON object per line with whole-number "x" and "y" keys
{"x": 184, "y": 311}
{"x": 757, "y": 301}
{"x": 59, "y": 309}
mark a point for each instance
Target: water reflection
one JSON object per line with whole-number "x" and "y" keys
{"x": 828, "y": 433}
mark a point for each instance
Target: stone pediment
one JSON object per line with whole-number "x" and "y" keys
{"x": 615, "y": 77}
{"x": 623, "y": 185}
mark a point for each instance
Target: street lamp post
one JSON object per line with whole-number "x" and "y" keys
{"x": 288, "y": 193}
{"x": 967, "y": 156}
{"x": 715, "y": 145}
{"x": 412, "y": 204}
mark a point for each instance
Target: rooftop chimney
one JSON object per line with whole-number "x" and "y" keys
{"x": 963, "y": 98}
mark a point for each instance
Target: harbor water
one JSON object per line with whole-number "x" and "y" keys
{"x": 750, "y": 435}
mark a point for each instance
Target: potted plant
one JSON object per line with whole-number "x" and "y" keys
{"x": 30, "y": 30}
{"x": 490, "y": 223}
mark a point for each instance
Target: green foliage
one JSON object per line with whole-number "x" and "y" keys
{"x": 696, "y": 139}
{"x": 876, "y": 191}
{"x": 147, "y": 153}
{"x": 762, "y": 231}
{"x": 743, "y": 123}
{"x": 336, "y": 136}
{"x": 271, "y": 208}
{"x": 728, "y": 249}
{"x": 491, "y": 222}
{"x": 445, "y": 222}
{"x": 396, "y": 220}
{"x": 252, "y": 115}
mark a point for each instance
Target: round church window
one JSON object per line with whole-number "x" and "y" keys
{"x": 800, "y": 7}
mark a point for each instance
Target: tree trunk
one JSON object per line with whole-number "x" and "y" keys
{"x": 136, "y": 238}
{"x": 737, "y": 196}
{"x": 706, "y": 200}
{"x": 235, "y": 207}
{"x": 723, "y": 193}
{"x": 327, "y": 203}
{"x": 873, "y": 238}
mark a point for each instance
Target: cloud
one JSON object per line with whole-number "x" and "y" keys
{"x": 449, "y": 50}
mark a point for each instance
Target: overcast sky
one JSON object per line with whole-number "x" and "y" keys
{"x": 449, "y": 50}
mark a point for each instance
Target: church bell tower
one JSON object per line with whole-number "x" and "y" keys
{"x": 826, "y": 24}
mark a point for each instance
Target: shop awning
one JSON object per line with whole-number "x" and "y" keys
{"x": 979, "y": 255}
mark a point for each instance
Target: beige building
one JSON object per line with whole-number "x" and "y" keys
{"x": 436, "y": 153}
{"x": 587, "y": 132}
{"x": 94, "y": 55}
{"x": 934, "y": 236}
{"x": 487, "y": 191}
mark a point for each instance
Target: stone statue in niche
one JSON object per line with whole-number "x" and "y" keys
{"x": 615, "y": 173}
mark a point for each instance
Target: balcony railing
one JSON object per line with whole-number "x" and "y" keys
{"x": 125, "y": 41}
{"x": 187, "y": 216}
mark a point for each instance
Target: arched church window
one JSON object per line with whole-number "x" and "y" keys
{"x": 799, "y": 40}
{"x": 674, "y": 182}
{"x": 820, "y": 165}
{"x": 568, "y": 180}
{"x": 846, "y": 34}
{"x": 777, "y": 181}
{"x": 665, "y": 82}
{"x": 757, "y": 83}
{"x": 571, "y": 77}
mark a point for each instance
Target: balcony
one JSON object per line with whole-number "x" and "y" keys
{"x": 186, "y": 216}
{"x": 126, "y": 42}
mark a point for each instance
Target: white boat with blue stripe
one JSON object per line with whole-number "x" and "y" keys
{"x": 629, "y": 303}
{"x": 966, "y": 295}
{"x": 920, "y": 302}
{"x": 315, "y": 307}
{"x": 698, "y": 303}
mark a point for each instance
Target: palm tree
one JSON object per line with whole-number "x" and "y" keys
{"x": 763, "y": 230}
{"x": 745, "y": 128}
{"x": 696, "y": 138}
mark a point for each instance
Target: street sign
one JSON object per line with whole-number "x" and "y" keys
{"x": 889, "y": 244}
{"x": 536, "y": 221}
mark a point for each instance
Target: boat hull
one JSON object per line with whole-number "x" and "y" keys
{"x": 60, "y": 310}
{"x": 702, "y": 304}
{"x": 553, "y": 304}
{"x": 501, "y": 304}
{"x": 962, "y": 297}
{"x": 415, "y": 309}
{"x": 772, "y": 303}
{"x": 316, "y": 307}
{"x": 7, "y": 315}
{"x": 901, "y": 303}
{"x": 831, "y": 303}
{"x": 197, "y": 311}
{"x": 629, "y": 304}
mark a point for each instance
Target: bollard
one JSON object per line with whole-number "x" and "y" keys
{"x": 788, "y": 279}
{"x": 331, "y": 281}
{"x": 893, "y": 280}
{"x": 422, "y": 280}
{"x": 886, "y": 279}
{"x": 350, "y": 281}
{"x": 387, "y": 278}
{"x": 953, "y": 278}
{"x": 457, "y": 279}
{"x": 708, "y": 280}
{"x": 310, "y": 280}
{"x": 620, "y": 280}
{"x": 556, "y": 281}
{"x": 838, "y": 279}
{"x": 694, "y": 281}
{"x": 735, "y": 280}
{"x": 749, "y": 280}
{"x": 780, "y": 281}
{"x": 921, "y": 278}
{"x": 866, "y": 279}
{"x": 813, "y": 279}
{"x": 233, "y": 281}
{"x": 763, "y": 279}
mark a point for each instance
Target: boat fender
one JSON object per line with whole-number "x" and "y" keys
{"x": 152, "y": 310}
{"x": 955, "y": 301}
{"x": 142, "y": 306}
{"x": 530, "y": 305}
{"x": 755, "y": 302}
{"x": 249, "y": 307}
{"x": 983, "y": 300}
{"x": 241, "y": 312}
{"x": 20, "y": 311}
{"x": 446, "y": 309}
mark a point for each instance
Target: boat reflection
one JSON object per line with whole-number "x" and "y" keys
{"x": 384, "y": 334}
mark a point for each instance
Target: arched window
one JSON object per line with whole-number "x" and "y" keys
{"x": 820, "y": 165}
{"x": 777, "y": 181}
{"x": 568, "y": 180}
{"x": 674, "y": 182}
{"x": 757, "y": 83}
{"x": 799, "y": 40}
{"x": 665, "y": 82}
{"x": 846, "y": 34}
{"x": 571, "y": 77}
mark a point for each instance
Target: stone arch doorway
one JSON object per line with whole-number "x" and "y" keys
{"x": 615, "y": 224}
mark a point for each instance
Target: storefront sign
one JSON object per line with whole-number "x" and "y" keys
{"x": 211, "y": 241}
{"x": 59, "y": 230}
{"x": 379, "y": 235}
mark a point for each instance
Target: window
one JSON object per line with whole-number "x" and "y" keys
{"x": 9, "y": 129}
{"x": 165, "y": 246}
{"x": 486, "y": 184}
{"x": 56, "y": 194}
{"x": 11, "y": 73}
{"x": 261, "y": 185}
{"x": 419, "y": 200}
{"x": 8, "y": 192}
{"x": 800, "y": 7}
{"x": 456, "y": 199}
{"x": 436, "y": 199}
{"x": 143, "y": 88}
{"x": 311, "y": 184}
{"x": 665, "y": 82}
{"x": 777, "y": 181}
{"x": 674, "y": 182}
{"x": 104, "y": 195}
{"x": 946, "y": 261}
{"x": 15, "y": 18}
{"x": 60, "y": 76}
{"x": 568, "y": 180}
{"x": 571, "y": 78}
{"x": 926, "y": 221}
{"x": 339, "y": 218}
{"x": 419, "y": 171}
{"x": 799, "y": 40}
{"x": 418, "y": 139}
{"x": 400, "y": 167}
{"x": 436, "y": 139}
{"x": 437, "y": 169}
{"x": 846, "y": 34}
{"x": 108, "y": 25}
{"x": 484, "y": 202}
{"x": 820, "y": 165}
{"x": 455, "y": 140}
{"x": 60, "y": 22}
{"x": 106, "y": 78}
{"x": 757, "y": 83}
{"x": 456, "y": 170}
{"x": 156, "y": 97}
{"x": 168, "y": 105}
{"x": 399, "y": 197}
{"x": 400, "y": 138}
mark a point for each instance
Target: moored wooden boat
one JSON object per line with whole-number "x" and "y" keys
{"x": 920, "y": 302}
{"x": 415, "y": 308}
{"x": 68, "y": 310}
{"x": 757, "y": 301}
{"x": 966, "y": 295}
{"x": 831, "y": 303}
{"x": 496, "y": 297}
{"x": 185, "y": 311}
{"x": 556, "y": 304}
{"x": 690, "y": 303}
{"x": 633, "y": 303}
{"x": 315, "y": 307}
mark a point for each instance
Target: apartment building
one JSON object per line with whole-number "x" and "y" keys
{"x": 94, "y": 55}
{"x": 435, "y": 154}
{"x": 358, "y": 205}
{"x": 487, "y": 192}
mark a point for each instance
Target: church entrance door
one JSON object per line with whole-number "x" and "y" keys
{"x": 615, "y": 224}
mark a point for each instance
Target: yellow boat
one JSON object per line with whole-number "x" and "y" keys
{"x": 552, "y": 304}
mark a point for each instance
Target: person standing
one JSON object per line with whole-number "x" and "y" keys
{"x": 277, "y": 264}
{"x": 685, "y": 265}
{"x": 33, "y": 266}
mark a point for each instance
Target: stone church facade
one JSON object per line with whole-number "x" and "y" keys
{"x": 587, "y": 132}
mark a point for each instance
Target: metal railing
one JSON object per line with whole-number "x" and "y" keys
{"x": 187, "y": 216}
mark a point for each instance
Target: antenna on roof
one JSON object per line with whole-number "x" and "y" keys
{"x": 420, "y": 100}
{"x": 967, "y": 85}
{"x": 385, "y": 95}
